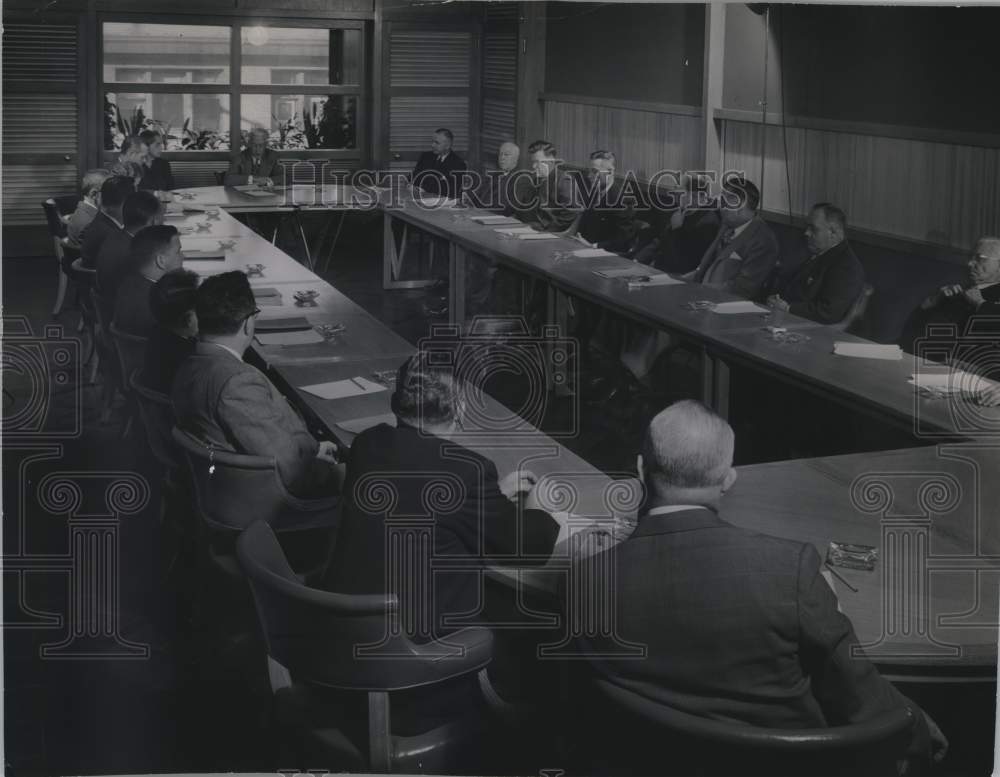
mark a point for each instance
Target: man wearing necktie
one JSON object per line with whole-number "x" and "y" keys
{"x": 745, "y": 252}
{"x": 438, "y": 170}
{"x": 256, "y": 164}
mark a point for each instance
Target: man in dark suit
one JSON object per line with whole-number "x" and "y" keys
{"x": 689, "y": 231}
{"x": 553, "y": 201}
{"x": 439, "y": 170}
{"x": 114, "y": 260}
{"x": 608, "y": 221}
{"x": 156, "y": 173}
{"x": 156, "y": 251}
{"x": 476, "y": 518}
{"x": 114, "y": 192}
{"x": 824, "y": 287}
{"x": 232, "y": 406}
{"x": 256, "y": 164}
{"x": 735, "y": 625}
{"x": 744, "y": 254}
{"x": 89, "y": 205}
{"x": 172, "y": 301}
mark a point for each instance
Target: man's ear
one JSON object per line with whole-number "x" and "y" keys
{"x": 729, "y": 480}
{"x": 640, "y": 467}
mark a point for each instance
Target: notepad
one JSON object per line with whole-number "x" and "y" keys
{"x": 341, "y": 389}
{"x": 868, "y": 350}
{"x": 205, "y": 256}
{"x": 616, "y": 272}
{"x": 358, "y": 425}
{"x": 265, "y": 291}
{"x": 292, "y": 324}
{"x": 537, "y": 236}
{"x": 739, "y": 306}
{"x": 493, "y": 219}
{"x": 591, "y": 253}
{"x": 308, "y": 337}
{"x": 514, "y": 230}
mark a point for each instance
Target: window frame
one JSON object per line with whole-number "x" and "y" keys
{"x": 235, "y": 89}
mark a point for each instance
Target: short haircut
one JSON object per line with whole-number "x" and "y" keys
{"x": 94, "y": 179}
{"x": 140, "y": 208}
{"x": 259, "y": 131}
{"x": 149, "y": 137}
{"x": 687, "y": 446}
{"x": 172, "y": 298}
{"x": 989, "y": 246}
{"x": 746, "y": 192}
{"x": 130, "y": 141}
{"x": 446, "y": 132}
{"x": 605, "y": 155}
{"x": 425, "y": 391}
{"x": 223, "y": 303}
{"x": 832, "y": 214}
{"x": 150, "y": 241}
{"x": 544, "y": 146}
{"x": 115, "y": 190}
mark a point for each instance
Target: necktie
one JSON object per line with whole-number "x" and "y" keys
{"x": 727, "y": 236}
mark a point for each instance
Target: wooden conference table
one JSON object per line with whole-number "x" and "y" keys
{"x": 928, "y": 610}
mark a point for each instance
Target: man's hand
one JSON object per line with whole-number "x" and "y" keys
{"x": 327, "y": 452}
{"x": 677, "y": 218}
{"x": 775, "y": 302}
{"x": 518, "y": 483}
{"x": 985, "y": 395}
{"x": 267, "y": 183}
{"x": 939, "y": 742}
{"x": 974, "y": 297}
{"x": 951, "y": 291}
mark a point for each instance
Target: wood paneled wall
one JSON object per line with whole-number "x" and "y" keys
{"x": 939, "y": 193}
{"x": 644, "y": 141}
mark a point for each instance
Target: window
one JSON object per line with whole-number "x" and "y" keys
{"x": 304, "y": 85}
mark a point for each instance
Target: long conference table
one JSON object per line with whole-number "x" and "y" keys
{"x": 928, "y": 611}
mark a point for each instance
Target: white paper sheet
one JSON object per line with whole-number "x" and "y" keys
{"x": 305, "y": 337}
{"x": 868, "y": 350}
{"x": 739, "y": 306}
{"x": 358, "y": 425}
{"x": 514, "y": 230}
{"x": 656, "y": 280}
{"x": 590, "y": 253}
{"x": 493, "y": 219}
{"x": 536, "y": 236}
{"x": 952, "y": 382}
{"x": 340, "y": 389}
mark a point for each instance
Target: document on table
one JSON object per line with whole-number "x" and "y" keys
{"x": 653, "y": 280}
{"x": 868, "y": 350}
{"x": 341, "y": 389}
{"x": 291, "y": 324}
{"x": 358, "y": 425}
{"x": 739, "y": 306}
{"x": 515, "y": 231}
{"x": 616, "y": 272}
{"x": 536, "y": 236}
{"x": 265, "y": 291}
{"x": 952, "y": 382}
{"x": 591, "y": 253}
{"x": 495, "y": 219}
{"x": 205, "y": 256}
{"x": 307, "y": 337}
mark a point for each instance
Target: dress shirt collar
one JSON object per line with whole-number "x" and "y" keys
{"x": 223, "y": 347}
{"x": 444, "y": 156}
{"x": 740, "y": 229}
{"x": 665, "y": 509}
{"x": 88, "y": 204}
{"x": 669, "y": 519}
{"x": 113, "y": 220}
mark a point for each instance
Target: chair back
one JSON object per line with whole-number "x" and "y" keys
{"x": 66, "y": 204}
{"x": 220, "y": 177}
{"x": 158, "y": 417}
{"x": 86, "y": 279}
{"x": 858, "y": 308}
{"x": 131, "y": 350}
{"x": 56, "y": 226}
{"x": 872, "y": 747}
{"x": 349, "y": 642}
{"x": 232, "y": 490}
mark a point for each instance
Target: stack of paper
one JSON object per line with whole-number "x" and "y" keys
{"x": 952, "y": 382}
{"x": 494, "y": 219}
{"x": 616, "y": 272}
{"x": 308, "y": 337}
{"x": 514, "y": 231}
{"x": 590, "y": 253}
{"x": 868, "y": 350}
{"x": 340, "y": 389}
{"x": 265, "y": 291}
{"x": 437, "y": 202}
{"x": 536, "y": 236}
{"x": 739, "y": 306}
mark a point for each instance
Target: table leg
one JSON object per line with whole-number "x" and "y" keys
{"x": 336, "y": 237}
{"x": 393, "y": 256}
{"x": 296, "y": 217}
{"x": 457, "y": 259}
{"x": 715, "y": 383}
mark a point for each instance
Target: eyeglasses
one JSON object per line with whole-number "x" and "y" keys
{"x": 254, "y": 314}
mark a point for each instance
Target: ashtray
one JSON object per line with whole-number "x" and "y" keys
{"x": 306, "y": 298}
{"x": 700, "y": 304}
{"x": 253, "y": 270}
{"x": 330, "y": 331}
{"x": 203, "y": 226}
{"x": 852, "y": 556}
{"x": 212, "y": 215}
{"x": 781, "y": 335}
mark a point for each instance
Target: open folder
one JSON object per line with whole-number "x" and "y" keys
{"x": 341, "y": 389}
{"x": 307, "y": 337}
{"x": 868, "y": 350}
{"x": 291, "y": 324}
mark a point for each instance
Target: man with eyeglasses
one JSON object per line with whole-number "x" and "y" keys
{"x": 232, "y": 406}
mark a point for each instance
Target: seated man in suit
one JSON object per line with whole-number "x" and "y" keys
{"x": 552, "y": 201}
{"x": 737, "y": 626}
{"x": 156, "y": 173}
{"x": 232, "y": 406}
{"x": 482, "y": 520}
{"x": 114, "y": 260}
{"x": 256, "y": 164}
{"x": 608, "y": 220}
{"x": 439, "y": 170}
{"x": 114, "y": 191}
{"x": 89, "y": 205}
{"x": 686, "y": 236}
{"x": 824, "y": 287}
{"x": 156, "y": 251}
{"x": 172, "y": 301}
{"x": 744, "y": 254}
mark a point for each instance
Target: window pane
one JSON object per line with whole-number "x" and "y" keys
{"x": 190, "y": 122}
{"x": 166, "y": 53}
{"x": 300, "y": 56}
{"x": 302, "y": 121}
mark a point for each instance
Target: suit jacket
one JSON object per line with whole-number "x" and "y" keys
{"x": 501, "y": 191}
{"x": 824, "y": 286}
{"x": 133, "y": 313}
{"x": 241, "y": 165}
{"x": 953, "y": 310}
{"x": 473, "y": 522}
{"x": 158, "y": 176}
{"x": 738, "y": 626}
{"x": 607, "y": 220}
{"x": 94, "y": 236}
{"x": 165, "y": 351}
{"x": 744, "y": 265}
{"x": 82, "y": 217}
{"x": 440, "y": 177}
{"x": 681, "y": 250}
{"x": 553, "y": 203}
{"x": 225, "y": 401}
{"x": 113, "y": 263}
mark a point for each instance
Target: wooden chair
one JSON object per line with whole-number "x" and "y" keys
{"x": 220, "y": 177}
{"x": 326, "y": 650}
{"x": 85, "y": 279}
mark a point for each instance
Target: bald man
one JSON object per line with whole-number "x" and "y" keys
{"x": 256, "y": 164}
{"x": 738, "y": 626}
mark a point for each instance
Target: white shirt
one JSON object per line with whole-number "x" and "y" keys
{"x": 117, "y": 222}
{"x": 666, "y": 509}
{"x": 740, "y": 228}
